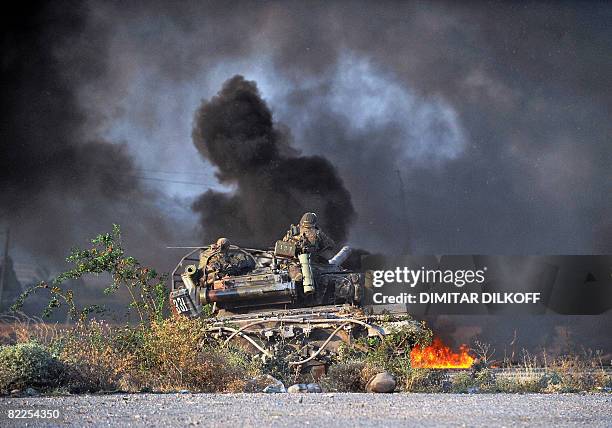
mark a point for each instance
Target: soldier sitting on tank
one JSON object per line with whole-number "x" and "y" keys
{"x": 219, "y": 261}
{"x": 308, "y": 238}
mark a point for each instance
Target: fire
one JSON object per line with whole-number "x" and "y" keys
{"x": 439, "y": 356}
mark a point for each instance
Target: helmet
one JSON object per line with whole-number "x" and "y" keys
{"x": 223, "y": 244}
{"x": 308, "y": 220}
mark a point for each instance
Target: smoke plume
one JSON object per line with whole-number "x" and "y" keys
{"x": 59, "y": 182}
{"x": 274, "y": 186}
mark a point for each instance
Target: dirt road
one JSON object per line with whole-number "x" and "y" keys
{"x": 318, "y": 410}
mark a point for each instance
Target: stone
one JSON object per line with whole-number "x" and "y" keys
{"x": 264, "y": 383}
{"x": 31, "y": 392}
{"x": 305, "y": 388}
{"x": 275, "y": 389}
{"x": 382, "y": 382}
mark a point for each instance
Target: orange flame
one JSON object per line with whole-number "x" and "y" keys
{"x": 439, "y": 356}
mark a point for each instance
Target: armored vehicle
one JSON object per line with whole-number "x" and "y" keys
{"x": 280, "y": 300}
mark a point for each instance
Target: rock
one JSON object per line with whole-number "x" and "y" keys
{"x": 315, "y": 388}
{"x": 31, "y": 392}
{"x": 275, "y": 389}
{"x": 305, "y": 388}
{"x": 15, "y": 391}
{"x": 184, "y": 391}
{"x": 298, "y": 387}
{"x": 382, "y": 382}
{"x": 264, "y": 383}
{"x": 473, "y": 390}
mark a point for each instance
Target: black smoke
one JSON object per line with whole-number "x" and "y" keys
{"x": 274, "y": 186}
{"x": 59, "y": 182}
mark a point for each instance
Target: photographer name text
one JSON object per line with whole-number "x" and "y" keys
{"x": 437, "y": 277}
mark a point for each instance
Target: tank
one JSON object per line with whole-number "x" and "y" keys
{"x": 300, "y": 307}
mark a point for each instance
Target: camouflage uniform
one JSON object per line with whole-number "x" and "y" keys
{"x": 219, "y": 261}
{"x": 308, "y": 238}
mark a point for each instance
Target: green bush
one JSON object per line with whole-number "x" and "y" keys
{"x": 519, "y": 386}
{"x": 28, "y": 365}
{"x": 424, "y": 380}
{"x": 482, "y": 381}
{"x": 485, "y": 380}
{"x": 569, "y": 381}
{"x": 462, "y": 382}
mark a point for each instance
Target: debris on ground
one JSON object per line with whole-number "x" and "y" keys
{"x": 305, "y": 388}
{"x": 264, "y": 383}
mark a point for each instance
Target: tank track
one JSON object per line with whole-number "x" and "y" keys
{"x": 312, "y": 335}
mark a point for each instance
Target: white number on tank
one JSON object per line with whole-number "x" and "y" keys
{"x": 181, "y": 305}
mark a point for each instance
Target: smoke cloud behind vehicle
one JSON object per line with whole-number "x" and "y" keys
{"x": 60, "y": 183}
{"x": 274, "y": 185}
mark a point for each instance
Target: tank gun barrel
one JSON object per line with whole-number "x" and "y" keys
{"x": 341, "y": 256}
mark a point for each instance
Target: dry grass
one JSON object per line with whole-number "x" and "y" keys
{"x": 177, "y": 354}
{"x": 542, "y": 374}
{"x": 424, "y": 380}
{"x": 346, "y": 377}
{"x": 94, "y": 361}
{"x": 21, "y": 328}
{"x": 167, "y": 356}
{"x": 184, "y": 358}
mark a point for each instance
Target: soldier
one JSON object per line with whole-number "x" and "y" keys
{"x": 308, "y": 238}
{"x": 219, "y": 261}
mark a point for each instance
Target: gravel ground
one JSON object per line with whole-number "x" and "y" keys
{"x": 320, "y": 410}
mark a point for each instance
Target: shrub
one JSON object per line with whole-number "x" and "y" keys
{"x": 161, "y": 354}
{"x": 166, "y": 356}
{"x": 392, "y": 353}
{"x": 107, "y": 257}
{"x": 345, "y": 377}
{"x": 485, "y": 380}
{"x": 424, "y": 380}
{"x": 93, "y": 361}
{"x": 573, "y": 374}
{"x": 181, "y": 357}
{"x": 519, "y": 386}
{"x": 355, "y": 365}
{"x": 462, "y": 382}
{"x": 28, "y": 365}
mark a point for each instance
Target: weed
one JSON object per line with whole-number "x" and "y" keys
{"x": 106, "y": 257}
{"x": 345, "y": 377}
